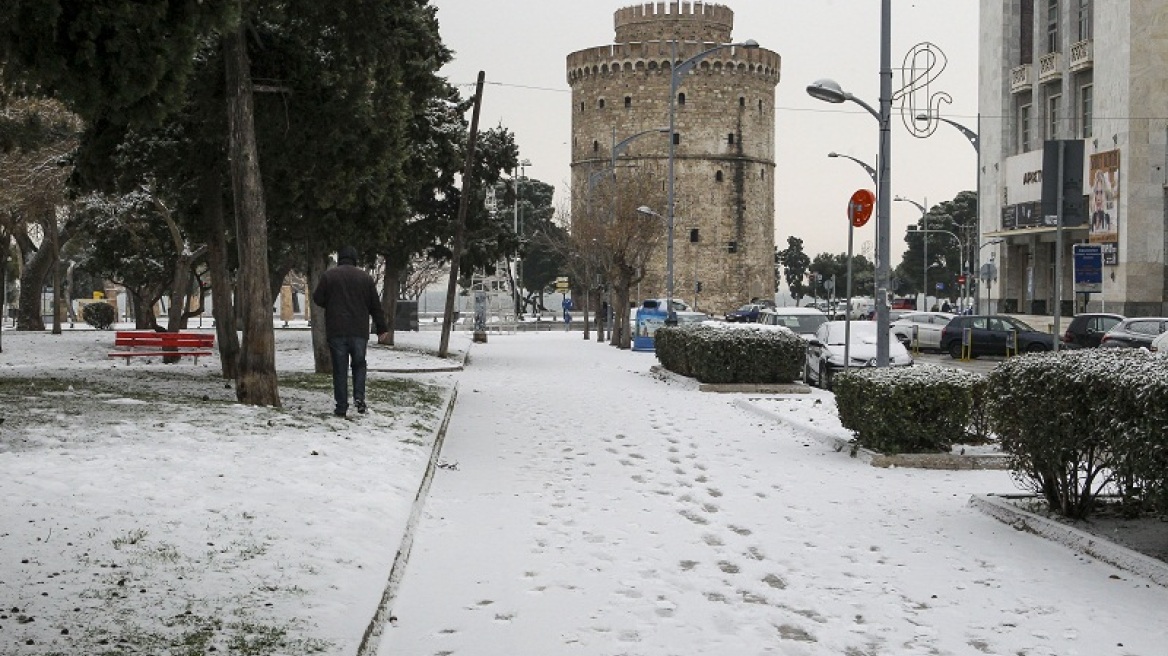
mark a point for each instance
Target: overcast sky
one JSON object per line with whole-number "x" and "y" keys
{"x": 522, "y": 46}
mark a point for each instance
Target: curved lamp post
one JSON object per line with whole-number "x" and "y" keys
{"x": 925, "y": 256}
{"x": 674, "y": 82}
{"x": 830, "y": 91}
{"x": 975, "y": 141}
{"x": 960, "y": 247}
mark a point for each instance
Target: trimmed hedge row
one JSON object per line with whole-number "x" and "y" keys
{"x": 732, "y": 353}
{"x": 917, "y": 409}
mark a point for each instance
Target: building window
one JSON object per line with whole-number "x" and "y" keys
{"x": 1024, "y": 129}
{"x": 1054, "y": 110}
{"x": 1026, "y": 33}
{"x": 760, "y": 107}
{"x": 628, "y": 101}
{"x": 1052, "y": 26}
{"x": 1086, "y": 99}
{"x": 681, "y": 98}
{"x": 595, "y": 146}
{"x": 1084, "y": 20}
{"x": 742, "y": 101}
{"x": 600, "y": 103}
{"x": 581, "y": 106}
{"x": 730, "y": 138}
{"x": 718, "y": 176}
{"x": 762, "y": 174}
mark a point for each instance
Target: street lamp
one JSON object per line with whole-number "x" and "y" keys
{"x": 986, "y": 271}
{"x": 960, "y": 248}
{"x": 830, "y": 91}
{"x": 523, "y": 164}
{"x": 925, "y": 256}
{"x": 674, "y": 82}
{"x": 975, "y": 141}
{"x": 851, "y": 231}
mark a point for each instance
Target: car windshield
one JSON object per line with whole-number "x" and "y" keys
{"x": 746, "y": 308}
{"x": 860, "y": 329}
{"x": 801, "y": 323}
{"x": 1019, "y": 325}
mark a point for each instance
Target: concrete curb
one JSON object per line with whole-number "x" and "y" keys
{"x": 949, "y": 461}
{"x": 433, "y": 370}
{"x": 381, "y": 616}
{"x": 1092, "y": 545}
{"x": 733, "y": 388}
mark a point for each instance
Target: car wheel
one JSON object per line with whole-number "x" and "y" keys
{"x": 824, "y": 376}
{"x": 1036, "y": 347}
{"x": 806, "y": 373}
{"x": 955, "y": 349}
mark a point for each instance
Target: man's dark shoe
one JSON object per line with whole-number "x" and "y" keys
{"x": 361, "y": 407}
{"x": 338, "y": 412}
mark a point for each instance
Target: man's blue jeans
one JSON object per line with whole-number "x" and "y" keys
{"x": 344, "y": 350}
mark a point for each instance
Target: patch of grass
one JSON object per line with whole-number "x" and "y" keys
{"x": 133, "y": 537}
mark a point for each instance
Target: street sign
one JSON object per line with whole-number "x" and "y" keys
{"x": 940, "y": 286}
{"x": 860, "y": 207}
{"x": 1088, "y": 268}
{"x": 961, "y": 279}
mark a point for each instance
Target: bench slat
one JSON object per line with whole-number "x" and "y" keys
{"x": 162, "y": 345}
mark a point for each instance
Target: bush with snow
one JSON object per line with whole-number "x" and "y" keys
{"x": 1079, "y": 424}
{"x": 918, "y": 409}
{"x": 732, "y": 353}
{"x": 99, "y": 315}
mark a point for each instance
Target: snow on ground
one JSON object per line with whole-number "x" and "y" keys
{"x": 587, "y": 507}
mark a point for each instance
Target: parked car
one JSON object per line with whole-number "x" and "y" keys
{"x": 802, "y": 320}
{"x": 1131, "y": 333}
{"x": 991, "y": 335}
{"x": 1087, "y": 330}
{"x": 1160, "y": 344}
{"x": 825, "y": 351}
{"x": 928, "y": 327}
{"x": 746, "y": 314}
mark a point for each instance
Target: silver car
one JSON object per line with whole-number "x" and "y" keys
{"x": 825, "y": 351}
{"x": 927, "y": 327}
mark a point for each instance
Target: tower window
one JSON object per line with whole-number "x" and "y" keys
{"x": 718, "y": 176}
{"x": 628, "y": 101}
{"x": 681, "y": 98}
{"x": 600, "y": 103}
{"x": 742, "y": 101}
{"x": 759, "y": 106}
{"x": 581, "y": 106}
{"x": 595, "y": 146}
{"x": 762, "y": 174}
{"x": 730, "y": 138}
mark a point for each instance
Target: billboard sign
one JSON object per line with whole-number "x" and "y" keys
{"x": 1088, "y": 268}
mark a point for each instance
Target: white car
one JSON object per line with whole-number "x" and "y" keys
{"x": 928, "y": 326}
{"x": 802, "y": 320}
{"x": 825, "y": 351}
{"x": 1160, "y": 344}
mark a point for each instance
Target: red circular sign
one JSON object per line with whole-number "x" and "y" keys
{"x": 860, "y": 207}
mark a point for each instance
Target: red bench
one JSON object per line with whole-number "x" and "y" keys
{"x": 150, "y": 343}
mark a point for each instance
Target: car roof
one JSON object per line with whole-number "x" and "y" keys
{"x": 794, "y": 310}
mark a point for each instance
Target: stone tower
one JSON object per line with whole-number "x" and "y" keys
{"x": 724, "y": 159}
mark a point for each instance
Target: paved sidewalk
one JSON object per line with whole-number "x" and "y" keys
{"x": 586, "y": 507}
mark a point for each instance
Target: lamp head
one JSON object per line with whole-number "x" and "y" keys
{"x": 833, "y": 154}
{"x": 899, "y": 198}
{"x": 644, "y": 209}
{"x": 922, "y": 117}
{"x": 827, "y": 91}
{"x": 750, "y": 44}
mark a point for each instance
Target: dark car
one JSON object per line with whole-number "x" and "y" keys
{"x": 993, "y": 334}
{"x": 1086, "y": 330}
{"x": 1132, "y": 333}
{"x": 746, "y": 314}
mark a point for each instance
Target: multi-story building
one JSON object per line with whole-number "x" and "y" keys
{"x": 724, "y": 147}
{"x": 1089, "y": 70}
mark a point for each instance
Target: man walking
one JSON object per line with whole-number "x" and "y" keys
{"x": 349, "y": 298}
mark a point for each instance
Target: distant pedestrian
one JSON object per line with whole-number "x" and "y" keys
{"x": 945, "y": 307}
{"x": 567, "y": 305}
{"x": 349, "y": 298}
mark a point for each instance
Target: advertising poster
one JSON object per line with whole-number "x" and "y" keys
{"x": 1104, "y": 204}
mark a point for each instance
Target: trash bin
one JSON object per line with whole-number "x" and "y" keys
{"x": 405, "y": 317}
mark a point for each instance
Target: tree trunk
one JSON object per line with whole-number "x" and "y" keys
{"x": 622, "y": 336}
{"x": 51, "y": 226}
{"x": 32, "y": 280}
{"x": 5, "y": 245}
{"x": 256, "y": 383}
{"x": 322, "y": 361}
{"x": 222, "y": 307}
{"x": 391, "y": 292}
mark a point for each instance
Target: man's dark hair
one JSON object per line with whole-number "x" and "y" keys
{"x": 347, "y": 254}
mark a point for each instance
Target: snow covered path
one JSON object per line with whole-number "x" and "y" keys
{"x": 597, "y": 510}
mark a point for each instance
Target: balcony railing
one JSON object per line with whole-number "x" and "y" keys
{"x": 1082, "y": 55}
{"x": 1021, "y": 78}
{"x": 1048, "y": 67}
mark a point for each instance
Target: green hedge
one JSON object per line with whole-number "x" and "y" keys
{"x": 1082, "y": 423}
{"x": 917, "y": 409}
{"x": 731, "y": 354}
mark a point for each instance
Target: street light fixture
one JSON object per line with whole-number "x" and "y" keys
{"x": 868, "y": 168}
{"x": 830, "y": 91}
{"x": 925, "y": 256}
{"x": 975, "y": 141}
{"x": 851, "y": 232}
{"x": 960, "y": 248}
{"x": 674, "y": 82}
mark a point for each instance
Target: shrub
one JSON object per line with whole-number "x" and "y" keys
{"x": 1080, "y": 423}
{"x": 918, "y": 409}
{"x": 101, "y": 316}
{"x": 731, "y": 354}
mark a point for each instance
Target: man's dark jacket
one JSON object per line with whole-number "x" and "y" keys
{"x": 349, "y": 297}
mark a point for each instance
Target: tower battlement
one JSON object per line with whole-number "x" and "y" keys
{"x": 688, "y": 21}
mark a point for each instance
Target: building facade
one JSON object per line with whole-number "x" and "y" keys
{"x": 724, "y": 145}
{"x": 1094, "y": 71}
